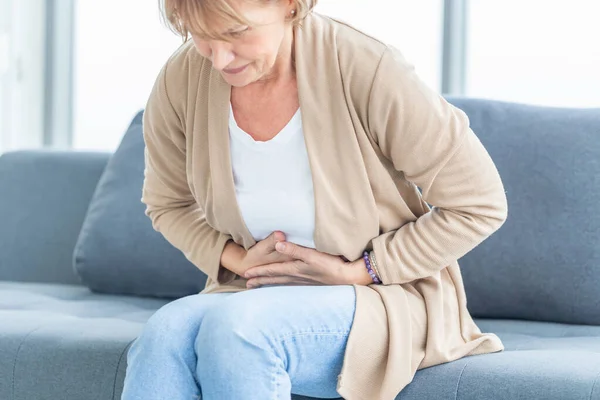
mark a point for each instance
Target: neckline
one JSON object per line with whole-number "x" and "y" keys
{"x": 282, "y": 137}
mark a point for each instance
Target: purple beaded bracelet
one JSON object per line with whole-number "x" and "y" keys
{"x": 371, "y": 272}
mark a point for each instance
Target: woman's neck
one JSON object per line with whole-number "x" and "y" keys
{"x": 283, "y": 70}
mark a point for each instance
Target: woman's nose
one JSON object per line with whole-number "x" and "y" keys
{"x": 221, "y": 55}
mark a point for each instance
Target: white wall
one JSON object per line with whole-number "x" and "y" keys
{"x": 4, "y": 68}
{"x": 121, "y": 45}
{"x": 414, "y": 27}
{"x": 535, "y": 51}
{"x": 21, "y": 74}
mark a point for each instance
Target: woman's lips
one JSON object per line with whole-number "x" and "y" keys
{"x": 234, "y": 71}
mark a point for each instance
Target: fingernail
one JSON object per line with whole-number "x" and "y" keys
{"x": 280, "y": 246}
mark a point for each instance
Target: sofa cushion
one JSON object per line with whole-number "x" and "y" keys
{"x": 531, "y": 367}
{"x": 65, "y": 342}
{"x": 541, "y": 360}
{"x": 118, "y": 251}
{"x": 544, "y": 263}
{"x": 44, "y": 196}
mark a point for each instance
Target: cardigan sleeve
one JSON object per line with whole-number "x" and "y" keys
{"x": 430, "y": 141}
{"x": 170, "y": 204}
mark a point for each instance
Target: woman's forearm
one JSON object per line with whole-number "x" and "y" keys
{"x": 232, "y": 258}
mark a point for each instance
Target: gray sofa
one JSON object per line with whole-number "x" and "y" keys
{"x": 65, "y": 330}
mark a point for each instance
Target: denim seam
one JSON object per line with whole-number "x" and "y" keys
{"x": 275, "y": 376}
{"x": 283, "y": 338}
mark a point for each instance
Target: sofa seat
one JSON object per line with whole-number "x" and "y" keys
{"x": 73, "y": 343}
{"x": 67, "y": 340}
{"x": 541, "y": 360}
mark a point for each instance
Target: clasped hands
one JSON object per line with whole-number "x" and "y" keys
{"x": 274, "y": 261}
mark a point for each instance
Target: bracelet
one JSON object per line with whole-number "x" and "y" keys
{"x": 373, "y": 276}
{"x": 374, "y": 263}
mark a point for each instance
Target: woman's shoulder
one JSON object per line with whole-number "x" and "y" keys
{"x": 184, "y": 59}
{"x": 182, "y": 68}
{"x": 353, "y": 46}
{"x": 347, "y": 34}
{"x": 359, "y": 56}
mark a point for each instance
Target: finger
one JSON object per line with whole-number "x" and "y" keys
{"x": 278, "y": 236}
{"x": 275, "y": 269}
{"x": 295, "y": 251}
{"x": 273, "y": 238}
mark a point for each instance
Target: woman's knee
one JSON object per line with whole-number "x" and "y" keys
{"x": 177, "y": 321}
{"x": 232, "y": 321}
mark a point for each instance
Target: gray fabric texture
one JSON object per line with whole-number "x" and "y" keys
{"x": 544, "y": 263}
{"x": 542, "y": 360}
{"x": 44, "y": 195}
{"x": 65, "y": 342}
{"x": 118, "y": 251}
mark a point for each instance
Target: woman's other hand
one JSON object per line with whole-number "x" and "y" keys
{"x": 263, "y": 252}
{"x": 306, "y": 266}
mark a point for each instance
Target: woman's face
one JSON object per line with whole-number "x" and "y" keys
{"x": 252, "y": 52}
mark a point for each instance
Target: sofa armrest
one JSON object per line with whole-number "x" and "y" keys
{"x": 44, "y": 196}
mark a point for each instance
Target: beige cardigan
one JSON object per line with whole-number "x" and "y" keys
{"x": 374, "y": 133}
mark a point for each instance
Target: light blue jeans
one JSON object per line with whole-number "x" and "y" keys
{"x": 258, "y": 344}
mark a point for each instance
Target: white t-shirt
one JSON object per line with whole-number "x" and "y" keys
{"x": 273, "y": 182}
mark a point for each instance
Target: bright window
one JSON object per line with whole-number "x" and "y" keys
{"x": 535, "y": 51}
{"x": 414, "y": 27}
{"x": 120, "y": 47}
{"x": 21, "y": 74}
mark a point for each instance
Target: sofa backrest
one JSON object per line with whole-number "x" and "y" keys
{"x": 118, "y": 251}
{"x": 44, "y": 195}
{"x": 544, "y": 262}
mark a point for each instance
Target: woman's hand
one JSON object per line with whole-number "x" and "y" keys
{"x": 263, "y": 252}
{"x": 307, "y": 267}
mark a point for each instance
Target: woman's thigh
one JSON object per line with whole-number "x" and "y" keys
{"x": 161, "y": 361}
{"x": 306, "y": 326}
{"x": 177, "y": 322}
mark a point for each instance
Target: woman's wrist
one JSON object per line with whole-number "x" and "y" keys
{"x": 233, "y": 257}
{"x": 359, "y": 274}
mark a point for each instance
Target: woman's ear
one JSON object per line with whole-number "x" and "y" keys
{"x": 291, "y": 7}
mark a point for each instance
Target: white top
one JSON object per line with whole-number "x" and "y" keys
{"x": 273, "y": 182}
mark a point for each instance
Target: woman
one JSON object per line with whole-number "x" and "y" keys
{"x": 284, "y": 155}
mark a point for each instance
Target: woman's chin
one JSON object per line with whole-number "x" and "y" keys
{"x": 238, "y": 80}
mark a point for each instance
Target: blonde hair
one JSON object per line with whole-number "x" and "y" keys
{"x": 191, "y": 16}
